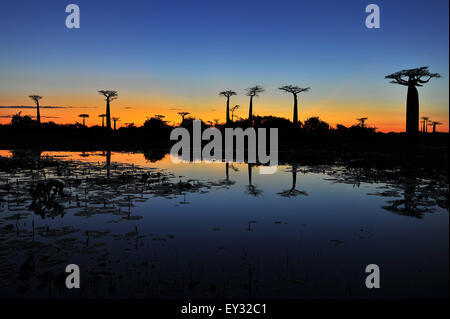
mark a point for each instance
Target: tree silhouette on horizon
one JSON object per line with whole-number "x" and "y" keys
{"x": 362, "y": 121}
{"x": 110, "y": 95}
{"x": 252, "y": 92}
{"x": 84, "y": 116}
{"x": 424, "y": 123}
{"x": 183, "y": 115}
{"x": 434, "y": 124}
{"x": 412, "y": 78}
{"x": 228, "y": 94}
{"x": 233, "y": 109}
{"x": 294, "y": 90}
{"x": 115, "y": 119}
{"x": 36, "y": 99}
{"x": 103, "y": 119}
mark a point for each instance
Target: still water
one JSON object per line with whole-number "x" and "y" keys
{"x": 139, "y": 225}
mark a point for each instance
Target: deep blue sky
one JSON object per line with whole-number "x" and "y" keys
{"x": 192, "y": 48}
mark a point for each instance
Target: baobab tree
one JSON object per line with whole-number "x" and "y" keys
{"x": 412, "y": 78}
{"x": 252, "y": 92}
{"x": 109, "y": 96}
{"x": 424, "y": 123}
{"x": 434, "y": 124}
{"x": 228, "y": 94}
{"x": 362, "y": 121}
{"x": 234, "y": 108}
{"x": 84, "y": 116}
{"x": 36, "y": 99}
{"x": 294, "y": 90}
{"x": 103, "y": 119}
{"x": 183, "y": 115}
{"x": 115, "y": 119}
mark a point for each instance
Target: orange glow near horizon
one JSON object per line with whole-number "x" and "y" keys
{"x": 390, "y": 117}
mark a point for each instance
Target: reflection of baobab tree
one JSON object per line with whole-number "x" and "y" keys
{"x": 412, "y": 78}
{"x": 293, "y": 192}
{"x": 252, "y": 189}
{"x": 295, "y": 90}
{"x": 414, "y": 202}
{"x": 227, "y": 180}
{"x": 108, "y": 163}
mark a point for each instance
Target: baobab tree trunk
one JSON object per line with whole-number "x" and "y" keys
{"x": 294, "y": 177}
{"x": 38, "y": 116}
{"x": 108, "y": 114}
{"x": 250, "y": 109}
{"x": 295, "y": 118}
{"x": 227, "y": 168}
{"x": 412, "y": 111}
{"x": 434, "y": 127}
{"x": 228, "y": 109}
{"x": 84, "y": 121}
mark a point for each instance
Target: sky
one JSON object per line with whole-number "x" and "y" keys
{"x": 164, "y": 57}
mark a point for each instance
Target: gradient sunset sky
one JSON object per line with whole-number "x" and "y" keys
{"x": 164, "y": 57}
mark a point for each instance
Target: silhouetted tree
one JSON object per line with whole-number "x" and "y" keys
{"x": 314, "y": 124}
{"x": 412, "y": 78}
{"x": 110, "y": 96}
{"x": 252, "y": 92}
{"x": 36, "y": 99}
{"x": 294, "y": 90}
{"x": 84, "y": 116}
{"x": 362, "y": 121}
{"x": 234, "y": 108}
{"x": 103, "y": 119}
{"x": 183, "y": 115}
{"x": 424, "y": 123}
{"x": 115, "y": 119}
{"x": 434, "y": 124}
{"x": 21, "y": 121}
{"x": 228, "y": 94}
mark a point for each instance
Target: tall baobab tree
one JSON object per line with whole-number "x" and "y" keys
{"x": 115, "y": 119}
{"x": 362, "y": 121}
{"x": 109, "y": 96}
{"x": 234, "y": 108}
{"x": 84, "y": 116}
{"x": 183, "y": 115}
{"x": 103, "y": 119}
{"x": 228, "y": 94}
{"x": 36, "y": 99}
{"x": 424, "y": 123}
{"x": 252, "y": 92}
{"x": 294, "y": 90}
{"x": 434, "y": 124}
{"x": 412, "y": 78}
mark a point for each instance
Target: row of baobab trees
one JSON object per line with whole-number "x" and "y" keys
{"x": 412, "y": 78}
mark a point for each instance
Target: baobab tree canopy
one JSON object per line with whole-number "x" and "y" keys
{"x": 227, "y": 93}
{"x": 35, "y": 98}
{"x": 110, "y": 96}
{"x": 294, "y": 89}
{"x": 254, "y": 90}
{"x": 412, "y": 78}
{"x": 416, "y": 77}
